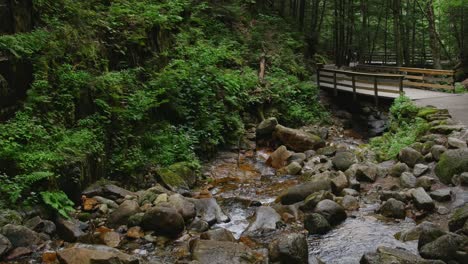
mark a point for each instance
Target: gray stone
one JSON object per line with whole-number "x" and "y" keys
{"x": 316, "y": 224}
{"x": 367, "y": 172}
{"x": 298, "y": 140}
{"x": 456, "y": 143}
{"x": 442, "y": 195}
{"x": 452, "y": 162}
{"x": 266, "y": 127}
{"x": 266, "y": 218}
{"x": 422, "y": 200}
{"x": 386, "y": 255}
{"x": 445, "y": 247}
{"x": 221, "y": 252}
{"x": 458, "y": 218}
{"x": 110, "y": 203}
{"x": 120, "y": 215}
{"x": 312, "y": 200}
{"x": 350, "y": 202}
{"x": 5, "y": 245}
{"x": 300, "y": 192}
{"x": 87, "y": 254}
{"x": 429, "y": 233}
{"x": 20, "y": 236}
{"x": 410, "y": 156}
{"x": 183, "y": 206}
{"x": 199, "y": 226}
{"x": 219, "y": 234}
{"x": 297, "y": 157}
{"x": 339, "y": 181}
{"x": 164, "y": 221}
{"x": 8, "y": 216}
{"x": 426, "y": 182}
{"x": 41, "y": 226}
{"x": 110, "y": 191}
{"x": 208, "y": 210}
{"x": 415, "y": 232}
{"x": 407, "y": 180}
{"x": 69, "y": 229}
{"x": 343, "y": 160}
{"x": 393, "y": 208}
{"x": 385, "y": 195}
{"x": 398, "y": 169}
{"x": 420, "y": 169}
{"x": 437, "y": 151}
{"x": 290, "y": 248}
{"x": 348, "y": 191}
{"x": 327, "y": 151}
{"x": 333, "y": 212}
{"x": 293, "y": 168}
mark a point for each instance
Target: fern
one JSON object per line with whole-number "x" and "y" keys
{"x": 59, "y": 201}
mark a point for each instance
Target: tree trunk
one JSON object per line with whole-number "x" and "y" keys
{"x": 433, "y": 40}
{"x": 397, "y": 32}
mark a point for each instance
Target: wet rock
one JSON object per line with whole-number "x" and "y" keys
{"x": 164, "y": 221}
{"x": 428, "y": 234}
{"x": 367, "y": 172}
{"x": 463, "y": 179}
{"x": 420, "y": 169}
{"x": 266, "y": 218}
{"x": 458, "y": 218}
{"x": 437, "y": 151}
{"x": 441, "y": 195}
{"x": 88, "y": 254}
{"x": 135, "y": 232}
{"x": 123, "y": 212}
{"x": 398, "y": 169}
{"x": 327, "y": 151}
{"x": 316, "y": 224}
{"x": 350, "y": 202}
{"x": 425, "y": 182}
{"x": 456, "y": 143}
{"x": 183, "y": 206}
{"x": 297, "y": 157}
{"x": 279, "y": 158}
{"x": 343, "y": 160}
{"x": 385, "y": 195}
{"x": 41, "y": 226}
{"x": 348, "y": 191}
{"x": 266, "y": 127}
{"x": 410, "y": 156}
{"x": 111, "y": 239}
{"x": 220, "y": 252}
{"x": 20, "y": 236}
{"x": 393, "y": 208}
{"x": 333, "y": 212}
{"x": 415, "y": 232}
{"x": 298, "y": 140}
{"x": 5, "y": 245}
{"x": 445, "y": 247}
{"x": 300, "y": 192}
{"x": 422, "y": 200}
{"x": 110, "y": 191}
{"x": 386, "y": 255}
{"x": 8, "y": 216}
{"x": 110, "y": 203}
{"x": 209, "y": 211}
{"x": 199, "y": 226}
{"x": 312, "y": 200}
{"x": 339, "y": 181}
{"x": 219, "y": 234}
{"x": 452, "y": 162}
{"x": 290, "y": 248}
{"x": 407, "y": 180}
{"x": 69, "y": 230}
{"x": 293, "y": 168}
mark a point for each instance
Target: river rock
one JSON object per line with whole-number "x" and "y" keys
{"x": 420, "y": 169}
{"x": 312, "y": 200}
{"x": 164, "y": 221}
{"x": 441, "y": 195}
{"x": 298, "y": 140}
{"x": 350, "y": 202}
{"x": 183, "y": 206}
{"x": 209, "y": 211}
{"x": 407, "y": 180}
{"x": 456, "y": 143}
{"x": 426, "y": 182}
{"x": 39, "y": 225}
{"x": 445, "y": 248}
{"x": 88, "y": 254}
{"x": 316, "y": 224}
{"x": 400, "y": 196}
{"x": 293, "y": 168}
{"x": 393, "y": 208}
{"x": 5, "y": 245}
{"x": 446, "y": 129}
{"x": 339, "y": 181}
{"x": 458, "y": 218}
{"x": 219, "y": 234}
{"x": 266, "y": 218}
{"x": 386, "y": 255}
{"x": 123, "y": 212}
{"x": 415, "y": 232}
{"x": 333, "y": 212}
{"x": 110, "y": 191}
{"x": 343, "y": 160}
{"x": 111, "y": 239}
{"x": 410, "y": 156}
{"x": 437, "y": 151}
{"x": 69, "y": 229}
{"x": 349, "y": 191}
{"x": 463, "y": 179}
{"x": 290, "y": 248}
{"x": 221, "y": 252}
{"x": 8, "y": 216}
{"x": 327, "y": 151}
{"x": 452, "y": 162}
{"x": 279, "y": 158}
{"x": 20, "y": 236}
{"x": 110, "y": 203}
{"x": 422, "y": 200}
{"x": 199, "y": 226}
{"x": 298, "y": 157}
{"x": 367, "y": 172}
{"x": 428, "y": 234}
{"x": 300, "y": 192}
{"x": 398, "y": 169}
{"x": 266, "y": 127}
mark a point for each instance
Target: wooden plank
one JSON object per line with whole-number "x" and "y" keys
{"x": 364, "y": 74}
{"x": 429, "y": 85}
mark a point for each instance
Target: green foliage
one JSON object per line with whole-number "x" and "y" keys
{"x": 24, "y": 45}
{"x": 58, "y": 201}
{"x": 403, "y": 109}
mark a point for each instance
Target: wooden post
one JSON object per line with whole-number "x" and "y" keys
{"x": 354, "y": 87}
{"x": 376, "y": 93}
{"x": 401, "y": 85}
{"x": 334, "y": 84}
{"x": 318, "y": 77}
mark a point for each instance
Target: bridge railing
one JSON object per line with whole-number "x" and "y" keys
{"x": 417, "y": 77}
{"x": 369, "y": 83}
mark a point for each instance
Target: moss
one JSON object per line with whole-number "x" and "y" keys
{"x": 451, "y": 162}
{"x": 171, "y": 179}
{"x": 424, "y": 112}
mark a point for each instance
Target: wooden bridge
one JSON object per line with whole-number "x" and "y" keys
{"x": 388, "y": 82}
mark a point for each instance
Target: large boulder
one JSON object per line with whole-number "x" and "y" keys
{"x": 456, "y": 143}
{"x": 266, "y": 127}
{"x": 209, "y": 211}
{"x": 302, "y": 191}
{"x": 441, "y": 195}
{"x": 183, "y": 206}
{"x": 458, "y": 218}
{"x": 290, "y": 248}
{"x": 437, "y": 151}
{"x": 410, "y": 156}
{"x": 5, "y": 245}
{"x": 121, "y": 215}
{"x": 182, "y": 175}
{"x": 221, "y": 252}
{"x": 333, "y": 212}
{"x": 422, "y": 200}
{"x": 164, "y": 221}
{"x": 69, "y": 229}
{"x": 20, "y": 236}
{"x": 110, "y": 191}
{"x": 266, "y": 218}
{"x": 414, "y": 233}
{"x": 279, "y": 158}
{"x": 343, "y": 160}
{"x": 298, "y": 140}
{"x": 446, "y": 248}
{"x": 452, "y": 162}
{"x": 316, "y": 224}
{"x": 88, "y": 254}
{"x": 429, "y": 233}
{"x": 393, "y": 208}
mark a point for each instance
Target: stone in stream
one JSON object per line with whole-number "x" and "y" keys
{"x": 290, "y": 248}
{"x": 88, "y": 254}
{"x": 183, "y": 206}
{"x": 410, "y": 156}
{"x": 386, "y": 255}
{"x": 458, "y": 218}
{"x": 297, "y": 157}
{"x": 393, "y": 208}
{"x": 20, "y": 236}
{"x": 441, "y": 195}
{"x": 398, "y": 169}
{"x": 349, "y": 191}
{"x": 164, "y": 221}
{"x": 219, "y": 234}
{"x": 221, "y": 252}
{"x": 199, "y": 226}
{"x": 420, "y": 169}
{"x": 343, "y": 160}
{"x": 298, "y": 140}
{"x": 456, "y": 143}
{"x": 278, "y": 159}
{"x": 407, "y": 180}
{"x": 266, "y": 127}
{"x": 452, "y": 162}
{"x": 339, "y": 181}
{"x": 447, "y": 248}
{"x": 209, "y": 211}
{"x": 300, "y": 192}
{"x": 5, "y": 245}
{"x": 400, "y": 196}
{"x": 69, "y": 229}
{"x": 437, "y": 151}
{"x": 316, "y": 224}
{"x": 428, "y": 234}
{"x": 292, "y": 169}
{"x": 422, "y": 200}
{"x": 123, "y": 212}
{"x": 425, "y": 182}
{"x": 367, "y": 172}
{"x": 327, "y": 151}
{"x": 333, "y": 212}
{"x": 415, "y": 232}
{"x": 350, "y": 202}
{"x": 266, "y": 218}
{"x": 312, "y": 200}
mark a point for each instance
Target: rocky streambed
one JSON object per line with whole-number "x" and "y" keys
{"x": 313, "y": 195}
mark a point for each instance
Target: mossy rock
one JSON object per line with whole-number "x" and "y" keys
{"x": 427, "y": 111}
{"x": 452, "y": 162}
{"x": 459, "y": 218}
{"x": 10, "y": 217}
{"x": 179, "y": 175}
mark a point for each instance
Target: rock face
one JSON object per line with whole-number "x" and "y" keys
{"x": 445, "y": 248}
{"x": 265, "y": 219}
{"x": 298, "y": 140}
{"x": 458, "y": 218}
{"x": 343, "y": 160}
{"x": 410, "y": 156}
{"x": 452, "y": 162}
{"x": 5, "y": 245}
{"x": 221, "y": 252}
{"x": 120, "y": 215}
{"x": 163, "y": 221}
{"x": 333, "y": 212}
{"x": 316, "y": 224}
{"x": 393, "y": 208}
{"x": 300, "y": 192}
{"x": 20, "y": 236}
{"x": 291, "y": 248}
{"x": 266, "y": 127}
{"x": 87, "y": 254}
{"x": 279, "y": 157}
{"x": 422, "y": 200}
